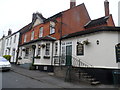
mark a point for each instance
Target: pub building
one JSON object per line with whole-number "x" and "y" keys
{"x": 71, "y": 41}
{"x": 98, "y": 49}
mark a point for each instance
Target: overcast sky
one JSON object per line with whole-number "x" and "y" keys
{"x": 15, "y": 14}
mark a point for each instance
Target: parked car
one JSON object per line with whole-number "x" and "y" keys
{"x": 4, "y": 64}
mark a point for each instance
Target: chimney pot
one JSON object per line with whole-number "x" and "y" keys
{"x": 72, "y": 3}
{"x": 106, "y": 6}
{"x": 9, "y": 32}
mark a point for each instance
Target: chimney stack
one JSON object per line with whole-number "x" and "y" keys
{"x": 9, "y": 32}
{"x": 72, "y": 3}
{"x": 106, "y": 6}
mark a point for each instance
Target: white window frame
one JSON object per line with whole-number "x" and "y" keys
{"x": 47, "y": 49}
{"x": 32, "y": 35}
{"x": 25, "y": 37}
{"x": 52, "y": 27}
{"x": 10, "y": 40}
{"x": 39, "y": 51}
{"x": 41, "y": 32}
{"x": 7, "y": 41}
{"x": 14, "y": 38}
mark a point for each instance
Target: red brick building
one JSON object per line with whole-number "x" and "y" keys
{"x": 49, "y": 32}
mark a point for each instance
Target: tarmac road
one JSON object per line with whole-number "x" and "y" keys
{"x": 15, "y": 80}
{"x": 22, "y": 78}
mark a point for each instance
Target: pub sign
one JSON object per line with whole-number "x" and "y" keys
{"x": 80, "y": 49}
{"x": 117, "y": 52}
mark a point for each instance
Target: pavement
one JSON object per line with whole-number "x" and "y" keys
{"x": 47, "y": 77}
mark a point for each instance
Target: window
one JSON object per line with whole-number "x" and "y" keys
{"x": 7, "y": 41}
{"x": 25, "y": 38}
{"x": 41, "y": 32}
{"x": 5, "y": 52}
{"x": 14, "y": 38}
{"x": 56, "y": 48}
{"x": 21, "y": 53}
{"x": 52, "y": 27}
{"x": 63, "y": 50}
{"x": 10, "y": 40}
{"x": 47, "y": 51}
{"x": 13, "y": 53}
{"x": 27, "y": 52}
{"x": 32, "y": 35}
{"x": 63, "y": 58}
{"x": 39, "y": 50}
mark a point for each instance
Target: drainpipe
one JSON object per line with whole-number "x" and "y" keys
{"x": 52, "y": 55}
{"x": 33, "y": 46}
{"x": 18, "y": 51}
{"x": 60, "y": 41}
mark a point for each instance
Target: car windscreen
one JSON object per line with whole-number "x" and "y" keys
{"x": 3, "y": 59}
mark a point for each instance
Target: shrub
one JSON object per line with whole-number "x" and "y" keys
{"x": 8, "y": 57}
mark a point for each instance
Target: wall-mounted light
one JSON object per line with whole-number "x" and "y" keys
{"x": 97, "y": 42}
{"x": 85, "y": 42}
{"x": 39, "y": 46}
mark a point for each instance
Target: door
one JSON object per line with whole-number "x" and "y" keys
{"x": 68, "y": 55}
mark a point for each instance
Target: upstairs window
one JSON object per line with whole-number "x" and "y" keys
{"x": 7, "y": 42}
{"x": 32, "y": 35}
{"x": 25, "y": 38}
{"x": 14, "y": 38}
{"x": 41, "y": 32}
{"x": 52, "y": 27}
{"x": 10, "y": 40}
{"x": 47, "y": 51}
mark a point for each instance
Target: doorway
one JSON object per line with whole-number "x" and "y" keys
{"x": 69, "y": 55}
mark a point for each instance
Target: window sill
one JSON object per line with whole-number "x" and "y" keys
{"x": 52, "y": 33}
{"x": 55, "y": 56}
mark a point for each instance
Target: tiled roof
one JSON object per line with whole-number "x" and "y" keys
{"x": 53, "y": 17}
{"x": 99, "y": 29}
{"x": 46, "y": 38}
{"x": 37, "y": 15}
{"x": 97, "y": 22}
{"x": 26, "y": 28}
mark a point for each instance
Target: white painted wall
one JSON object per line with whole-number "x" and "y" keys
{"x": 2, "y": 44}
{"x": 37, "y": 22}
{"x": 25, "y": 59}
{"x": 12, "y": 46}
{"x": 43, "y": 61}
{"x": 102, "y": 55}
